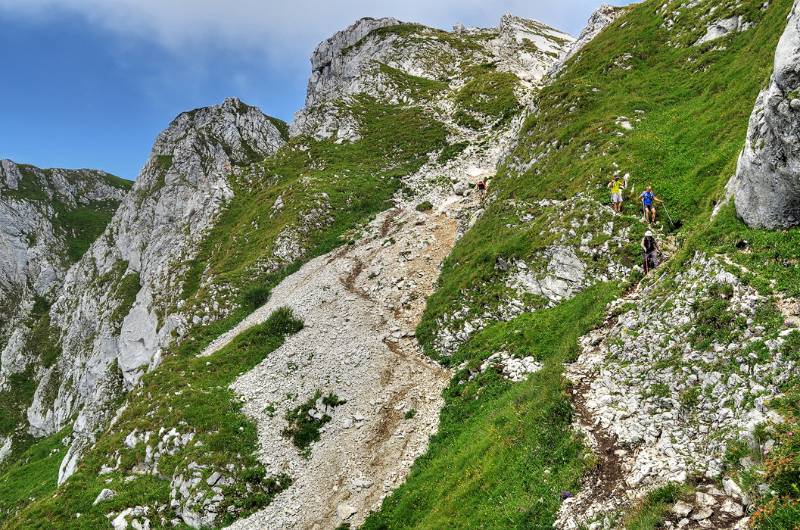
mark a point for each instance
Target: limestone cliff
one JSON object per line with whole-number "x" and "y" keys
{"x": 118, "y": 305}
{"x": 767, "y": 183}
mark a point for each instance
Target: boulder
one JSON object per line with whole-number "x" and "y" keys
{"x": 766, "y": 188}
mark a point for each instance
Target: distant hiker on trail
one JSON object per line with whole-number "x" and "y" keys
{"x": 482, "y": 186}
{"x": 616, "y": 185}
{"x": 650, "y": 248}
{"x": 648, "y": 204}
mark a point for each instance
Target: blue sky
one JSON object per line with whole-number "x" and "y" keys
{"x": 90, "y": 83}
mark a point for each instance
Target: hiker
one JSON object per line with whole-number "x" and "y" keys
{"x": 650, "y": 248}
{"x": 482, "y": 186}
{"x": 616, "y": 185}
{"x": 649, "y": 201}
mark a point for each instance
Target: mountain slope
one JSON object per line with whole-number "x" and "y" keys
{"x": 664, "y": 114}
{"x": 408, "y": 147}
{"x": 48, "y": 218}
{"x": 353, "y": 294}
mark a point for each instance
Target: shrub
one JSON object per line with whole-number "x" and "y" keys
{"x": 424, "y": 206}
{"x": 256, "y": 296}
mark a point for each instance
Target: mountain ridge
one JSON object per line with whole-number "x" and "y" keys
{"x": 331, "y": 325}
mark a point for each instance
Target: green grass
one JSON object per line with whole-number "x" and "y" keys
{"x": 695, "y": 106}
{"x": 31, "y": 474}
{"x": 14, "y": 400}
{"x": 358, "y": 179}
{"x": 504, "y": 452}
{"x": 191, "y": 394}
{"x": 304, "y": 429}
{"x": 79, "y": 224}
{"x": 653, "y": 509}
{"x": 417, "y": 87}
{"x": 489, "y": 95}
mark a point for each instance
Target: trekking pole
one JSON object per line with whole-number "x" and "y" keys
{"x": 668, "y": 216}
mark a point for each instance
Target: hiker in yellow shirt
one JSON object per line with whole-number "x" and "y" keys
{"x": 616, "y": 186}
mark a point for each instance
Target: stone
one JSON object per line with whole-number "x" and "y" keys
{"x": 104, "y": 495}
{"x": 682, "y": 509}
{"x": 120, "y": 522}
{"x": 720, "y": 28}
{"x": 765, "y": 187}
{"x": 345, "y": 511}
{"x": 702, "y": 514}
{"x": 732, "y": 508}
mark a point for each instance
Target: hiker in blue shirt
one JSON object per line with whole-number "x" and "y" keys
{"x": 648, "y": 204}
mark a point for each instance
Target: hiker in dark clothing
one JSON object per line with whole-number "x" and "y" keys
{"x": 650, "y": 248}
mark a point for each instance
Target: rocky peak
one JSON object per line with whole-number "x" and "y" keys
{"x": 119, "y": 305}
{"x": 326, "y": 61}
{"x": 216, "y": 138}
{"x": 766, "y": 187}
{"x": 9, "y": 174}
{"x": 527, "y": 48}
{"x": 602, "y": 17}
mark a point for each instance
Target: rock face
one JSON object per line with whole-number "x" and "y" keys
{"x": 332, "y": 72}
{"x": 600, "y": 19}
{"x": 119, "y": 304}
{"x": 38, "y": 241}
{"x": 361, "y": 59}
{"x": 720, "y": 28}
{"x": 766, "y": 187}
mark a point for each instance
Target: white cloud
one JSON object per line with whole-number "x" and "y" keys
{"x": 281, "y": 29}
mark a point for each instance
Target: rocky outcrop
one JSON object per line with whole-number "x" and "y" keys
{"x": 661, "y": 393}
{"x": 603, "y": 16}
{"x": 527, "y": 48}
{"x": 38, "y": 241}
{"x": 371, "y": 55}
{"x": 119, "y": 305}
{"x": 766, "y": 187}
{"x": 721, "y": 28}
{"x": 332, "y": 72}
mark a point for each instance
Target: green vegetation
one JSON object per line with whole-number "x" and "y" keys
{"x": 690, "y": 109}
{"x": 451, "y": 151}
{"x": 504, "y": 452}
{"x": 714, "y": 321}
{"x": 417, "y": 87}
{"x": 281, "y": 125}
{"x": 424, "y": 206}
{"x": 79, "y": 224}
{"x": 327, "y": 189}
{"x": 189, "y": 393}
{"x": 32, "y": 474}
{"x": 651, "y": 511}
{"x": 15, "y": 398}
{"x": 488, "y": 96}
{"x": 782, "y": 466}
{"x": 304, "y": 428}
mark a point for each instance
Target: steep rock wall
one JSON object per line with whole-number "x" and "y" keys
{"x": 767, "y": 183}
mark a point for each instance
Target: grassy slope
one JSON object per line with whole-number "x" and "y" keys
{"x": 359, "y": 178}
{"x": 686, "y": 145}
{"x": 188, "y": 393}
{"x": 504, "y": 452}
{"x": 479, "y": 472}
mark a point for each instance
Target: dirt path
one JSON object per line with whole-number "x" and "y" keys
{"x": 360, "y": 305}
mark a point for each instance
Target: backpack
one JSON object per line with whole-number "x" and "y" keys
{"x": 649, "y": 244}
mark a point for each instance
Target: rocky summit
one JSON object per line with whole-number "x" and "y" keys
{"x": 414, "y": 306}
